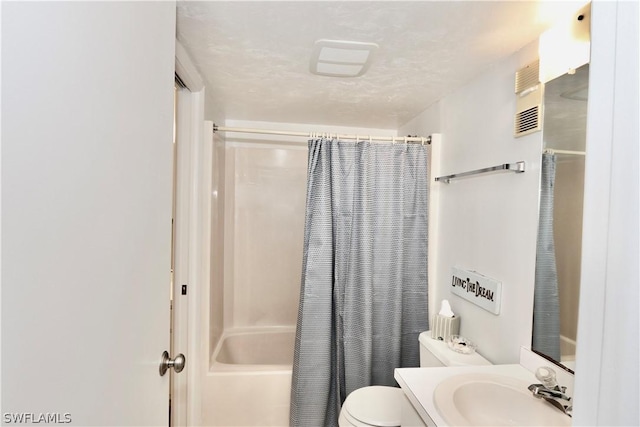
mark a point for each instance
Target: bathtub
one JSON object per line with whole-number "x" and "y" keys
{"x": 249, "y": 378}
{"x": 255, "y": 349}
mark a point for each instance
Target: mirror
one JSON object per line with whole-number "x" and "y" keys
{"x": 560, "y": 235}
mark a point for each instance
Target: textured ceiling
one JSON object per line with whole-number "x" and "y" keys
{"x": 254, "y": 56}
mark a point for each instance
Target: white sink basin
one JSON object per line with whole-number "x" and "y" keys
{"x": 483, "y": 399}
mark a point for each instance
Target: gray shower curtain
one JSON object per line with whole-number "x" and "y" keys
{"x": 363, "y": 298}
{"x": 546, "y": 304}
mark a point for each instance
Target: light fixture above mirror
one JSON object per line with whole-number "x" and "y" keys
{"x": 566, "y": 46}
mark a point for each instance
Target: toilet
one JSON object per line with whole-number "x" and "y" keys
{"x": 381, "y": 406}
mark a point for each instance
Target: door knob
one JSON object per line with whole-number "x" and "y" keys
{"x": 177, "y": 364}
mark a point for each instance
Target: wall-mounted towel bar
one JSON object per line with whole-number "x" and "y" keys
{"x": 517, "y": 167}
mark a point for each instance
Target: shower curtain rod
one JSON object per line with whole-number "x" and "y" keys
{"x": 554, "y": 151}
{"x": 393, "y": 139}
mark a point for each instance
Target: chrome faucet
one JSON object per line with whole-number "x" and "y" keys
{"x": 550, "y": 391}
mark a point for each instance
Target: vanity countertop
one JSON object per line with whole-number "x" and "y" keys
{"x": 419, "y": 385}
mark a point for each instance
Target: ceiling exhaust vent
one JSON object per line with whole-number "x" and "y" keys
{"x": 338, "y": 58}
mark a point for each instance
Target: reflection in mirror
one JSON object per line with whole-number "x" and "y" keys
{"x": 557, "y": 287}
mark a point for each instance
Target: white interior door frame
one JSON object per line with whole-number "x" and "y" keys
{"x": 199, "y": 269}
{"x": 192, "y": 241}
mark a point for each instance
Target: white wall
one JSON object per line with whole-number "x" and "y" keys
{"x": 216, "y": 296}
{"x": 567, "y": 231}
{"x": 265, "y": 200}
{"x": 487, "y": 223}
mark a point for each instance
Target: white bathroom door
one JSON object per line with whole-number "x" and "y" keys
{"x": 87, "y": 101}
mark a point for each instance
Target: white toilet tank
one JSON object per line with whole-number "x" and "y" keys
{"x": 434, "y": 353}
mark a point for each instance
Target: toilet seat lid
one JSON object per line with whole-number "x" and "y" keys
{"x": 375, "y": 405}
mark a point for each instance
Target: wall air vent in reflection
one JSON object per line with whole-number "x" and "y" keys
{"x": 528, "y": 77}
{"x": 529, "y": 92}
{"x": 338, "y": 58}
{"x": 528, "y": 121}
